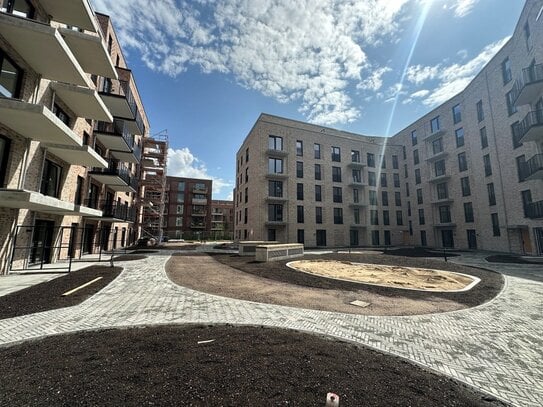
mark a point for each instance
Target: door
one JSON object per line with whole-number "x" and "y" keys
{"x": 354, "y": 238}
{"x": 321, "y": 237}
{"x": 42, "y": 240}
{"x": 104, "y": 237}
{"x": 472, "y": 239}
{"x": 271, "y": 235}
{"x": 88, "y": 236}
{"x": 123, "y": 237}
{"x": 73, "y": 240}
{"x": 447, "y": 238}
{"x": 539, "y": 240}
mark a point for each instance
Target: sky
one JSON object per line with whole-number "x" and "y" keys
{"x": 206, "y": 69}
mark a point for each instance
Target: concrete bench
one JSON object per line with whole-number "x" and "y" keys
{"x": 272, "y": 252}
{"x": 248, "y": 248}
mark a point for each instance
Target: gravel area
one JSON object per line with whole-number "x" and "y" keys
{"x": 418, "y": 252}
{"x": 241, "y": 366}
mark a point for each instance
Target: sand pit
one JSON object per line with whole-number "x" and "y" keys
{"x": 411, "y": 278}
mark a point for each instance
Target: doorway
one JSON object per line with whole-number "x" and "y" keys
{"x": 539, "y": 239}
{"x": 447, "y": 238}
{"x": 354, "y": 238}
{"x": 321, "y": 237}
{"x": 472, "y": 239}
{"x": 42, "y": 242}
{"x": 88, "y": 237}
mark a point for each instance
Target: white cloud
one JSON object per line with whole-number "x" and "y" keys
{"x": 182, "y": 163}
{"x": 374, "y": 81}
{"x": 461, "y": 8}
{"x": 300, "y": 51}
{"x": 451, "y": 79}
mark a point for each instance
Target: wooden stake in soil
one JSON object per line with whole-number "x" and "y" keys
{"x": 81, "y": 286}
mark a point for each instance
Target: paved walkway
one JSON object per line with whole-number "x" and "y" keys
{"x": 496, "y": 347}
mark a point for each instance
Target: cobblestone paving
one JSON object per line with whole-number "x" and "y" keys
{"x": 496, "y": 347}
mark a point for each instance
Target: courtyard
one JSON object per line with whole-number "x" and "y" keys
{"x": 490, "y": 342}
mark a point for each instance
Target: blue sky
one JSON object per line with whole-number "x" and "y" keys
{"x": 207, "y": 68}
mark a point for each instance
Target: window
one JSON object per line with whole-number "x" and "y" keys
{"x": 336, "y": 174}
{"x": 61, "y": 114}
{"x": 526, "y": 201}
{"x": 383, "y": 161}
{"x": 299, "y": 169}
{"x": 338, "y": 216}
{"x": 299, "y": 148}
{"x": 462, "y": 162}
{"x": 445, "y": 214}
{"x": 318, "y": 214}
{"x": 439, "y": 167}
{"x": 423, "y": 241}
{"x": 399, "y": 218}
{"x": 434, "y": 124}
{"x": 4, "y": 156}
{"x": 422, "y": 220}
{"x": 246, "y": 175}
{"x": 511, "y": 108}
{"x": 407, "y": 188}
{"x": 357, "y": 176}
{"x": 300, "y": 214}
{"x": 396, "y": 178}
{"x": 179, "y": 209}
{"x": 50, "y": 183}
{"x": 409, "y": 208}
{"x": 417, "y": 176}
{"x": 247, "y": 155}
{"x": 318, "y": 193}
{"x": 419, "y": 196}
{"x": 301, "y": 236}
{"x": 318, "y": 175}
{"x": 275, "y": 189}
{"x": 373, "y": 197}
{"x": 10, "y": 77}
{"x": 491, "y": 194}
{"x": 516, "y": 133}
{"x": 275, "y": 213}
{"x": 384, "y": 198}
{"x": 374, "y": 217}
{"x": 404, "y": 153}
{"x": 395, "y": 162}
{"x": 356, "y": 216}
{"x": 372, "y": 181}
{"x": 386, "y": 218}
{"x": 480, "y": 111}
{"x": 275, "y": 143}
{"x": 468, "y": 212}
{"x": 442, "y": 191}
{"x": 179, "y": 221}
{"x": 371, "y": 160}
{"x": 414, "y": 138}
{"x": 317, "y": 150}
{"x": 495, "y": 224}
{"x": 405, "y": 173}
{"x": 300, "y": 192}
{"x": 336, "y": 154}
{"x": 355, "y": 156}
{"x": 506, "y": 71}
{"x": 383, "y": 180}
{"x": 437, "y": 146}
{"x": 78, "y": 189}
{"x": 245, "y": 215}
{"x": 457, "y": 114}
{"x": 375, "y": 237}
{"x": 93, "y": 196}
{"x": 484, "y": 139}
{"x": 275, "y": 166}
{"x": 459, "y": 133}
{"x": 528, "y": 39}
{"x": 464, "y": 183}
{"x": 356, "y": 196}
{"x": 416, "y": 159}
{"x": 246, "y": 195}
{"x": 488, "y": 166}
{"x": 181, "y": 197}
{"x": 387, "y": 237}
{"x": 521, "y": 168}
{"x": 19, "y": 8}
{"x": 337, "y": 196}
{"x": 397, "y": 199}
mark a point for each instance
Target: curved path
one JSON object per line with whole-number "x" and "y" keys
{"x": 497, "y": 347}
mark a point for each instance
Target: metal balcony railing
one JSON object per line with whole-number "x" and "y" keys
{"x": 532, "y": 119}
{"x": 117, "y": 128}
{"x": 530, "y": 75}
{"x": 534, "y": 165}
{"x": 534, "y": 210}
{"x": 120, "y": 170}
{"x": 118, "y": 87}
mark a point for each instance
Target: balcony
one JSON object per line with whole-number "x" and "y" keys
{"x": 43, "y": 48}
{"x": 278, "y": 199}
{"x": 198, "y": 214}
{"x": 358, "y": 205}
{"x": 534, "y": 210}
{"x": 276, "y": 175}
{"x": 113, "y": 211}
{"x": 533, "y": 168}
{"x": 198, "y": 190}
{"x": 90, "y": 51}
{"x": 358, "y": 226}
{"x": 276, "y": 223}
{"x": 276, "y": 153}
{"x": 442, "y": 201}
{"x": 34, "y": 201}
{"x": 355, "y": 165}
{"x": 84, "y": 102}
{"x": 117, "y": 177}
{"x": 115, "y": 137}
{"x": 438, "y": 156}
{"x": 434, "y": 136}
{"x": 531, "y": 127}
{"x": 197, "y": 225}
{"x": 528, "y": 87}
{"x": 439, "y": 178}
{"x": 198, "y": 201}
{"x": 78, "y": 155}
{"x": 36, "y": 122}
{"x": 355, "y": 183}
{"x": 71, "y": 12}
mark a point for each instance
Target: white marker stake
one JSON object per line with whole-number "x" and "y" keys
{"x": 332, "y": 400}
{"x": 80, "y": 287}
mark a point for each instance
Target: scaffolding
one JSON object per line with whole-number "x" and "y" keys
{"x": 153, "y": 186}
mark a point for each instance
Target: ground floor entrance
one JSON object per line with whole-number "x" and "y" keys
{"x": 538, "y": 232}
{"x": 42, "y": 242}
{"x": 472, "y": 239}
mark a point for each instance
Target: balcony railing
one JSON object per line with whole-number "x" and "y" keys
{"x": 116, "y": 128}
{"x": 113, "y": 210}
{"x": 121, "y": 88}
{"x": 533, "y": 168}
{"x": 531, "y": 127}
{"x": 120, "y": 170}
{"x": 534, "y": 210}
{"x": 528, "y": 86}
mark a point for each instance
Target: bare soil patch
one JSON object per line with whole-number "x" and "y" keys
{"x": 390, "y": 276}
{"x": 243, "y": 366}
{"x": 419, "y": 252}
{"x": 48, "y": 295}
{"x": 507, "y": 258}
{"x": 129, "y": 257}
{"x": 275, "y": 283}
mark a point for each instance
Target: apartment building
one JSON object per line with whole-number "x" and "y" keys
{"x": 71, "y": 123}
{"x": 467, "y": 175}
{"x": 222, "y": 219}
{"x": 188, "y": 208}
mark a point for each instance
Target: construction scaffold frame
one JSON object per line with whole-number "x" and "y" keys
{"x": 153, "y": 186}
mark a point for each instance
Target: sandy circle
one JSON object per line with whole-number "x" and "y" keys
{"x": 413, "y": 278}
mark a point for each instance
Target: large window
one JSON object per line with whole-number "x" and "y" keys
{"x": 395, "y": 164}
{"x": 484, "y": 138}
{"x": 457, "y": 114}
{"x": 521, "y": 167}
{"x": 300, "y": 192}
{"x": 419, "y": 196}
{"x": 336, "y": 154}
{"x": 414, "y": 137}
{"x": 10, "y": 77}
{"x": 373, "y": 197}
{"x": 383, "y": 180}
{"x": 372, "y": 181}
{"x": 416, "y": 158}
{"x": 356, "y": 196}
{"x": 417, "y": 176}
{"x": 511, "y": 108}
{"x": 459, "y": 133}
{"x": 434, "y": 124}
{"x": 442, "y": 191}
{"x": 371, "y": 160}
{"x": 317, "y": 150}
{"x": 275, "y": 143}
{"x": 50, "y": 183}
{"x": 422, "y": 220}
{"x": 336, "y": 174}
{"x": 462, "y": 162}
{"x": 516, "y": 134}
{"x": 491, "y": 194}
{"x": 397, "y": 199}
{"x": 299, "y": 148}
{"x": 355, "y": 156}
{"x": 275, "y": 189}
{"x": 318, "y": 214}
{"x": 4, "y": 155}
{"x": 466, "y": 190}
{"x": 338, "y": 216}
{"x": 386, "y": 218}
{"x": 480, "y": 111}
{"x": 337, "y": 196}
{"x": 374, "y": 217}
{"x": 318, "y": 174}
{"x": 300, "y": 214}
{"x": 506, "y": 71}
{"x": 384, "y": 198}
{"x": 439, "y": 167}
{"x": 275, "y": 166}
{"x": 275, "y": 213}
{"x": 437, "y": 146}
{"x": 488, "y": 165}
{"x": 299, "y": 169}
{"x": 399, "y": 218}
{"x": 356, "y": 216}
{"x": 468, "y": 212}
{"x": 318, "y": 193}
{"x": 396, "y": 178}
{"x": 357, "y": 175}
{"x": 495, "y": 224}
{"x": 445, "y": 214}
